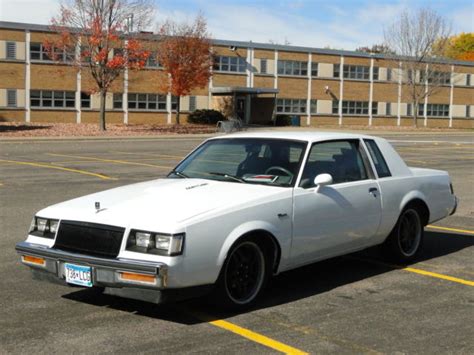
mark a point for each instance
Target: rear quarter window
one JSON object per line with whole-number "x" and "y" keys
{"x": 378, "y": 159}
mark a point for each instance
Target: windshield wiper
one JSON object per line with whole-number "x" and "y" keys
{"x": 227, "y": 176}
{"x": 179, "y": 173}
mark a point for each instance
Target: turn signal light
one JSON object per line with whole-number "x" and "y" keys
{"x": 33, "y": 260}
{"x": 133, "y": 277}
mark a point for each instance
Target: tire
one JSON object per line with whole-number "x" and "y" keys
{"x": 243, "y": 276}
{"x": 406, "y": 239}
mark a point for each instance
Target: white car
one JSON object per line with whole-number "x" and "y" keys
{"x": 237, "y": 210}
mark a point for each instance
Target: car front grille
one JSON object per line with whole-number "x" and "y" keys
{"x": 89, "y": 238}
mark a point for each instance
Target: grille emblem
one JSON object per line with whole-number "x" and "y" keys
{"x": 97, "y": 206}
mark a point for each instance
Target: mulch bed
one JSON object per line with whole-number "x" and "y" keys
{"x": 17, "y": 129}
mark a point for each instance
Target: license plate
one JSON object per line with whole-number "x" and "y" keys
{"x": 78, "y": 275}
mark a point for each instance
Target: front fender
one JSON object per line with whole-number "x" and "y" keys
{"x": 241, "y": 230}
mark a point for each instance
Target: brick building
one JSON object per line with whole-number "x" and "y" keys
{"x": 252, "y": 80}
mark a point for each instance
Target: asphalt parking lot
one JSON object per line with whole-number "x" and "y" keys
{"x": 352, "y": 304}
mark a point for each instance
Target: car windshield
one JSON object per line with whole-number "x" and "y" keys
{"x": 244, "y": 160}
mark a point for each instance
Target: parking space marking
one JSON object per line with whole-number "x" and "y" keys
{"x": 451, "y": 229}
{"x": 416, "y": 271}
{"x": 253, "y": 336}
{"x": 112, "y": 161}
{"x": 48, "y": 166}
{"x": 152, "y": 155}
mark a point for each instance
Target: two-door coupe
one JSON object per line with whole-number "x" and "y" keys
{"x": 237, "y": 210}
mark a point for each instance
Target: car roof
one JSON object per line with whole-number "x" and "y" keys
{"x": 309, "y": 136}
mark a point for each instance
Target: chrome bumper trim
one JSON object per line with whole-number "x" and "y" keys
{"x": 105, "y": 271}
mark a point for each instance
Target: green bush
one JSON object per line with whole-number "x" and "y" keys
{"x": 282, "y": 120}
{"x": 205, "y": 117}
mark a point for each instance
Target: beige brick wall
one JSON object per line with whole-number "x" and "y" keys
{"x": 463, "y": 96}
{"x": 259, "y": 53}
{"x": 93, "y": 117}
{"x": 321, "y": 58}
{"x": 53, "y": 77}
{"x": 240, "y": 52}
{"x": 293, "y": 87}
{"x": 12, "y": 75}
{"x": 283, "y": 55}
{"x": 466, "y": 123}
{"x": 385, "y": 92}
{"x": 356, "y": 61}
{"x": 149, "y": 118}
{"x": 318, "y": 89}
{"x": 12, "y": 115}
{"x": 12, "y": 35}
{"x": 440, "y": 95}
{"x": 53, "y": 116}
{"x": 358, "y": 91}
{"x": 147, "y": 81}
{"x": 229, "y": 80}
{"x": 263, "y": 82}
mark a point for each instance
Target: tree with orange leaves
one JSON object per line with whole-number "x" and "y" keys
{"x": 184, "y": 52}
{"x": 97, "y": 33}
{"x": 461, "y": 47}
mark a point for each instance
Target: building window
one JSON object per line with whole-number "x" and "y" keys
{"x": 56, "y": 99}
{"x": 389, "y": 74}
{"x": 314, "y": 69}
{"x": 410, "y": 74}
{"x": 443, "y": 78}
{"x": 11, "y": 98}
{"x": 354, "y": 107}
{"x": 468, "y": 80}
{"x": 230, "y": 64}
{"x": 85, "y": 100}
{"x": 434, "y": 110}
{"x": 118, "y": 101}
{"x": 85, "y": 54}
{"x": 468, "y": 111}
{"x": 376, "y": 73}
{"x": 263, "y": 66}
{"x": 11, "y": 50}
{"x": 357, "y": 72}
{"x": 192, "y": 103}
{"x": 150, "y": 102}
{"x": 408, "y": 109}
{"x": 38, "y": 52}
{"x": 152, "y": 62}
{"x": 291, "y": 106}
{"x": 336, "y": 71}
{"x": 292, "y": 67}
{"x": 388, "y": 109}
{"x": 375, "y": 106}
{"x": 314, "y": 106}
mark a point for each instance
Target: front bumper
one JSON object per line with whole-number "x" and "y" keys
{"x": 105, "y": 273}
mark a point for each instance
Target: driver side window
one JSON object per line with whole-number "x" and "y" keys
{"x": 341, "y": 159}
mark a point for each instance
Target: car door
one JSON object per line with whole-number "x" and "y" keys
{"x": 339, "y": 217}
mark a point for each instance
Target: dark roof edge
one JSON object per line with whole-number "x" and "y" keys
{"x": 255, "y": 45}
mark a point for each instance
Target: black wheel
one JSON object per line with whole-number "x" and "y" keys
{"x": 406, "y": 239}
{"x": 243, "y": 276}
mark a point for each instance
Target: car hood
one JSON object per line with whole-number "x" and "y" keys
{"x": 168, "y": 203}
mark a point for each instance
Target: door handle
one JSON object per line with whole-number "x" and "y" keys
{"x": 373, "y": 190}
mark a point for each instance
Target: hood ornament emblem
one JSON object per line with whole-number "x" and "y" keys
{"x": 97, "y": 207}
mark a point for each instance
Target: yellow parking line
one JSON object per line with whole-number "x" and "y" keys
{"x": 416, "y": 271}
{"x": 439, "y": 276}
{"x": 451, "y": 229}
{"x": 255, "y": 337}
{"x": 113, "y": 161}
{"x": 258, "y": 338}
{"x": 43, "y": 165}
{"x": 152, "y": 154}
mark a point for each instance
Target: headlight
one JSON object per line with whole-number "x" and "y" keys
{"x": 155, "y": 243}
{"x": 44, "y": 227}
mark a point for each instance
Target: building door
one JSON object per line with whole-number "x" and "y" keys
{"x": 240, "y": 107}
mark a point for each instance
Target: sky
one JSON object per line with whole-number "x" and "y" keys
{"x": 314, "y": 23}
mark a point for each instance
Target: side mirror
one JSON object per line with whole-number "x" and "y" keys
{"x": 322, "y": 180}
